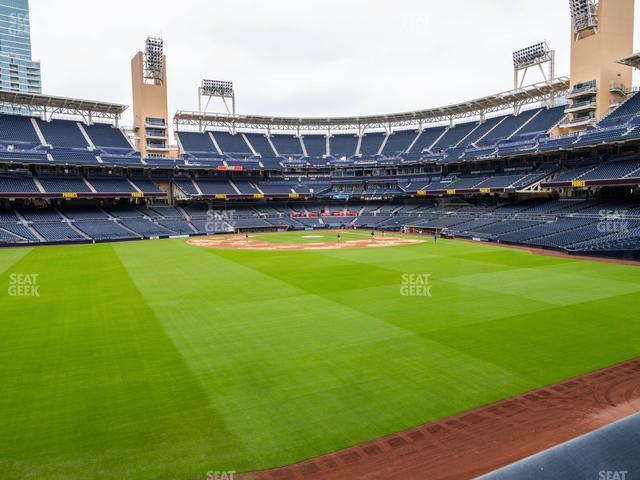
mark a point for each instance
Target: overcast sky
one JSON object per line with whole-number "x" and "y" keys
{"x": 298, "y": 57}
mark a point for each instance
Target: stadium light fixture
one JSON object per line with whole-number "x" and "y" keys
{"x": 584, "y": 14}
{"x": 533, "y": 56}
{"x": 538, "y": 53}
{"x": 221, "y": 89}
{"x": 217, "y": 88}
{"x": 154, "y": 59}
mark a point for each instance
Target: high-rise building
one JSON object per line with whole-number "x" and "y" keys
{"x": 18, "y": 71}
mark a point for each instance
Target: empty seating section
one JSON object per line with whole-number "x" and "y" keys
{"x": 57, "y": 232}
{"x": 62, "y": 133}
{"x": 41, "y": 215}
{"x": 124, "y": 212}
{"x": 216, "y": 187}
{"x": 17, "y": 184}
{"x": 145, "y": 228}
{"x": 479, "y": 153}
{"x": 271, "y": 163}
{"x": 512, "y": 135}
{"x": 20, "y": 230}
{"x": 107, "y": 136}
{"x": 245, "y": 188}
{"x": 181, "y": 227}
{"x": 466, "y": 183}
{"x": 186, "y": 185}
{"x": 543, "y": 122}
{"x": 595, "y": 137}
{"x": 371, "y": 143}
{"x": 538, "y": 223}
{"x": 573, "y": 174}
{"x": 343, "y": 145}
{"x": 482, "y": 130}
{"x": 128, "y": 161}
{"x": 74, "y": 157}
{"x": 453, "y": 136}
{"x": 316, "y": 145}
{"x": 275, "y": 188}
{"x": 7, "y": 216}
{"x": 260, "y": 144}
{"x": 15, "y": 129}
{"x": 17, "y": 156}
{"x": 500, "y": 181}
{"x": 613, "y": 170}
{"x": 405, "y": 163}
{"x": 146, "y": 185}
{"x": 246, "y": 163}
{"x": 426, "y": 139}
{"x": 287, "y": 145}
{"x": 111, "y": 185}
{"x": 507, "y": 127}
{"x": 104, "y": 230}
{"x": 399, "y": 142}
{"x": 83, "y": 213}
{"x": 197, "y": 144}
{"x": 233, "y": 145}
{"x": 557, "y": 143}
{"x": 63, "y": 184}
{"x": 622, "y": 114}
{"x": 9, "y": 237}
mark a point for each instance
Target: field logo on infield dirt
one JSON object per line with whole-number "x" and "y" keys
{"x": 24, "y": 285}
{"x": 613, "y": 221}
{"x": 220, "y": 221}
{"x": 613, "y": 475}
{"x": 415, "y": 285}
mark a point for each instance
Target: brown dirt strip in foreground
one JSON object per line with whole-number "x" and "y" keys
{"x": 242, "y": 243}
{"x": 480, "y": 441}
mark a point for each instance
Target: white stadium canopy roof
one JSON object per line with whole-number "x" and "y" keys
{"x": 513, "y": 99}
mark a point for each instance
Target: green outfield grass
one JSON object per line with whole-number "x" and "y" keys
{"x": 159, "y": 360}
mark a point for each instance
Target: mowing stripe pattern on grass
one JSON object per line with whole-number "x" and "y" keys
{"x": 161, "y": 360}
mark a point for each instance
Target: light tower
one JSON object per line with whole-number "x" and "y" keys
{"x": 601, "y": 35}
{"x": 221, "y": 89}
{"x": 217, "y": 89}
{"x": 150, "y": 103}
{"x": 538, "y": 56}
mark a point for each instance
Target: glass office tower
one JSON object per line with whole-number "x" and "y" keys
{"x": 18, "y": 72}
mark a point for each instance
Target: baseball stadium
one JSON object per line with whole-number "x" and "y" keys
{"x": 445, "y": 293}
